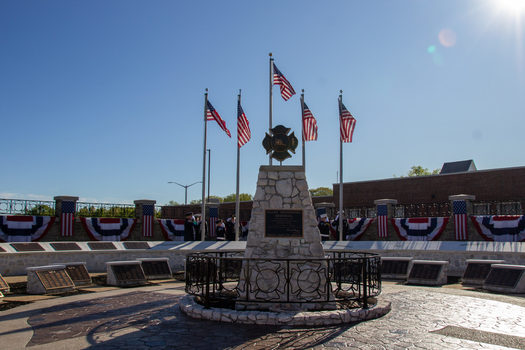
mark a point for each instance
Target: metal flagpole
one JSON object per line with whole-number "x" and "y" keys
{"x": 237, "y": 199}
{"x": 302, "y": 123}
{"x": 203, "y": 205}
{"x": 340, "y": 171}
{"x": 271, "y": 102}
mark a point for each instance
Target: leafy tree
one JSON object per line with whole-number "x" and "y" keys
{"x": 418, "y": 170}
{"x": 173, "y": 203}
{"x": 242, "y": 197}
{"x": 41, "y": 210}
{"x": 321, "y": 191}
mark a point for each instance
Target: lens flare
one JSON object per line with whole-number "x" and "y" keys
{"x": 447, "y": 37}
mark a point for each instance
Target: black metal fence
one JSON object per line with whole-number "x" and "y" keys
{"x": 350, "y": 278}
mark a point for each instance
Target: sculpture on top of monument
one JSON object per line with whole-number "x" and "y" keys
{"x": 279, "y": 143}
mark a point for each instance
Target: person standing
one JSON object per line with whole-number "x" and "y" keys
{"x": 230, "y": 228}
{"x": 324, "y": 227}
{"x": 189, "y": 227}
{"x": 220, "y": 230}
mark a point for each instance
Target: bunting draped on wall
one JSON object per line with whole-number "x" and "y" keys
{"x": 24, "y": 228}
{"x": 356, "y": 228}
{"x": 500, "y": 228}
{"x": 420, "y": 229}
{"x": 108, "y": 229}
{"x": 173, "y": 229}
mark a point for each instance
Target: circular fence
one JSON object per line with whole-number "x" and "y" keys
{"x": 351, "y": 279}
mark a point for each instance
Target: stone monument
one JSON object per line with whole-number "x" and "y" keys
{"x": 283, "y": 226}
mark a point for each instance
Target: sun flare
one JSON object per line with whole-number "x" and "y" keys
{"x": 515, "y": 7}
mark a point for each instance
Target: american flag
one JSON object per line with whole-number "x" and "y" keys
{"x": 382, "y": 221}
{"x": 347, "y": 123}
{"x": 213, "y": 214}
{"x": 287, "y": 90}
{"x": 67, "y": 218}
{"x": 211, "y": 114}
{"x": 147, "y": 220}
{"x": 309, "y": 125}
{"x": 243, "y": 127}
{"x": 460, "y": 219}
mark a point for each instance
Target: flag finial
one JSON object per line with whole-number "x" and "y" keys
{"x": 302, "y": 91}
{"x": 206, "y": 89}
{"x": 341, "y": 91}
{"x": 270, "y": 54}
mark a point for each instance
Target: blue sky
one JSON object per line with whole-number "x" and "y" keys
{"x": 104, "y": 99}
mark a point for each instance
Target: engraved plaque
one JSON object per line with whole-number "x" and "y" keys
{"x": 27, "y": 247}
{"x": 54, "y": 279}
{"x": 394, "y": 267}
{"x": 478, "y": 271}
{"x": 284, "y": 223}
{"x": 78, "y": 274}
{"x": 136, "y": 245}
{"x": 65, "y": 246}
{"x": 155, "y": 268}
{"x": 101, "y": 246}
{"x": 4, "y": 286}
{"x": 425, "y": 271}
{"x": 504, "y": 277}
{"x": 127, "y": 273}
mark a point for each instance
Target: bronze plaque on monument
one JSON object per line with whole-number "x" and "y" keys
{"x": 283, "y": 223}
{"x": 55, "y": 279}
{"x": 78, "y": 274}
{"x": 3, "y": 284}
{"x": 425, "y": 271}
{"x": 131, "y": 272}
{"x": 156, "y": 268}
{"x": 504, "y": 277}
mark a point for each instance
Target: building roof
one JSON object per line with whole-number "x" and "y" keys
{"x": 458, "y": 167}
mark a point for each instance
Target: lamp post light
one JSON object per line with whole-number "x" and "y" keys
{"x": 185, "y": 189}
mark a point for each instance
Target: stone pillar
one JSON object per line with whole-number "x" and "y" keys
{"x": 461, "y": 205}
{"x": 145, "y": 213}
{"x": 385, "y": 211}
{"x": 64, "y": 202}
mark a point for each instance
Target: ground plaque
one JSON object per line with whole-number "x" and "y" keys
{"x": 4, "y": 286}
{"x": 428, "y": 272}
{"x": 48, "y": 279}
{"x": 283, "y": 223}
{"x": 78, "y": 273}
{"x": 506, "y": 278}
{"x": 155, "y": 268}
{"x": 477, "y": 270}
{"x": 395, "y": 267}
{"x": 136, "y": 245}
{"x": 65, "y": 246}
{"x": 101, "y": 246}
{"x": 125, "y": 273}
{"x": 27, "y": 247}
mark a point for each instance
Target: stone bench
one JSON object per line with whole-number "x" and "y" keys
{"x": 428, "y": 272}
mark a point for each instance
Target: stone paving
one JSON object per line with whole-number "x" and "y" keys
{"x": 149, "y": 317}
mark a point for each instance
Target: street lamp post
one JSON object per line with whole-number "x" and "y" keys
{"x": 185, "y": 189}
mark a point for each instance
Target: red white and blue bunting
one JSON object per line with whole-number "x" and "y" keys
{"x": 108, "y": 229}
{"x": 356, "y": 228}
{"x": 173, "y": 229}
{"x": 420, "y": 229}
{"x": 24, "y": 228}
{"x": 500, "y": 228}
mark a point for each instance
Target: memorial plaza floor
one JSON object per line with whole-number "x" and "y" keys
{"x": 449, "y": 317}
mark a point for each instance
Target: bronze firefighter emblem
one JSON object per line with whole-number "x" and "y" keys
{"x": 280, "y": 143}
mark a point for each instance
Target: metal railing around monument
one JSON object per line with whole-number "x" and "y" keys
{"x": 26, "y": 207}
{"x": 422, "y": 210}
{"x": 352, "y": 279}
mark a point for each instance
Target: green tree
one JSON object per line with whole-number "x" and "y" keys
{"x": 173, "y": 203}
{"x": 321, "y": 191}
{"x": 242, "y": 197}
{"x": 418, "y": 170}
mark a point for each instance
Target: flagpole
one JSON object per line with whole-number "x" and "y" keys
{"x": 237, "y": 199}
{"x": 271, "y": 99}
{"x": 340, "y": 171}
{"x": 203, "y": 205}
{"x": 302, "y": 123}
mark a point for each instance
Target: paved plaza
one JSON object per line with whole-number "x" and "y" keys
{"x": 148, "y": 317}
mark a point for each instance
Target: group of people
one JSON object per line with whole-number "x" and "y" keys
{"x": 224, "y": 229}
